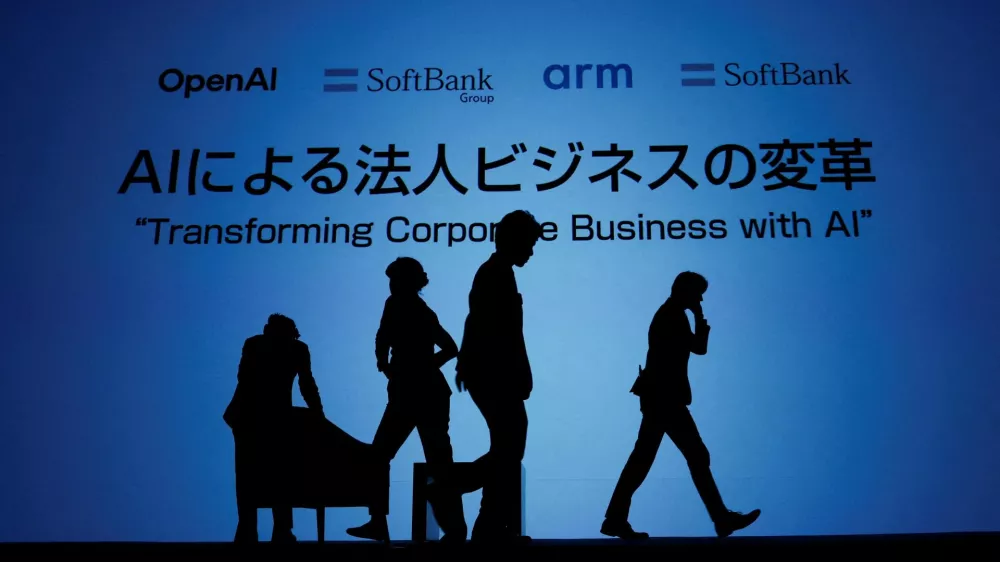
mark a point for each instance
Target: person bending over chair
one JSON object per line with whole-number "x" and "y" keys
{"x": 259, "y": 415}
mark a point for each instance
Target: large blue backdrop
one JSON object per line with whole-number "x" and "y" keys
{"x": 851, "y": 381}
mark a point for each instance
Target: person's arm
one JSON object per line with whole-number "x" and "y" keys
{"x": 520, "y": 365}
{"x": 246, "y": 361}
{"x": 670, "y": 335}
{"x": 307, "y": 383}
{"x": 382, "y": 339}
{"x": 234, "y": 410}
{"x": 444, "y": 341}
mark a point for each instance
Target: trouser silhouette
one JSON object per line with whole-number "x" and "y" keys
{"x": 430, "y": 416}
{"x": 499, "y": 469}
{"x": 677, "y": 423}
{"x": 258, "y": 468}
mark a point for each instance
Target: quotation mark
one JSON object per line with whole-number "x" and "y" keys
{"x": 141, "y": 221}
{"x": 866, "y": 213}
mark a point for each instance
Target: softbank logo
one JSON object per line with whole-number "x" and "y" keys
{"x": 580, "y": 76}
{"x": 471, "y": 88}
{"x": 702, "y": 74}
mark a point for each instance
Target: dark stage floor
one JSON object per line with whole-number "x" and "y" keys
{"x": 964, "y": 546}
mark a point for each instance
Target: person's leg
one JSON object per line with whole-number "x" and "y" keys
{"x": 432, "y": 425}
{"x": 246, "y": 529}
{"x": 632, "y": 476}
{"x": 513, "y": 440}
{"x": 393, "y": 430}
{"x": 488, "y": 521}
{"x": 680, "y": 427}
{"x": 282, "y": 526}
{"x": 277, "y": 460}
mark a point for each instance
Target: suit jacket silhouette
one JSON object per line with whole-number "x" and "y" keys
{"x": 268, "y": 368}
{"x": 493, "y": 355}
{"x": 671, "y": 343}
{"x": 410, "y": 329}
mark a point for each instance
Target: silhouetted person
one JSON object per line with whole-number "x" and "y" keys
{"x": 493, "y": 365}
{"x": 259, "y": 415}
{"x": 419, "y": 396}
{"x": 664, "y": 396}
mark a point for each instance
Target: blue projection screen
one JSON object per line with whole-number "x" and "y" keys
{"x": 823, "y": 165}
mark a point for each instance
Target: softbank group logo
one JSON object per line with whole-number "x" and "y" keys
{"x": 470, "y": 88}
{"x": 704, "y": 74}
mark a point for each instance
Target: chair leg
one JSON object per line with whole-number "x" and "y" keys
{"x": 321, "y": 524}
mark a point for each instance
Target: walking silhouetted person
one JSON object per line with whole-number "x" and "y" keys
{"x": 664, "y": 393}
{"x": 493, "y": 365}
{"x": 419, "y": 396}
{"x": 259, "y": 415}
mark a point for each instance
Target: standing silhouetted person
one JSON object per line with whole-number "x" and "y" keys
{"x": 259, "y": 417}
{"x": 664, "y": 396}
{"x": 493, "y": 366}
{"x": 419, "y": 396}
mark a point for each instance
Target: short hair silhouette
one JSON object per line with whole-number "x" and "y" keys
{"x": 407, "y": 274}
{"x": 517, "y": 228}
{"x": 281, "y": 326}
{"x": 689, "y": 283}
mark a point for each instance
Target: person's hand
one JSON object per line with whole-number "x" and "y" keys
{"x": 383, "y": 368}
{"x": 696, "y": 310}
{"x": 459, "y": 383}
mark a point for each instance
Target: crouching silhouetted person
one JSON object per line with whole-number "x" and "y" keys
{"x": 664, "y": 396}
{"x": 259, "y": 417}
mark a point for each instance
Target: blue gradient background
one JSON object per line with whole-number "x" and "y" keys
{"x": 851, "y": 384}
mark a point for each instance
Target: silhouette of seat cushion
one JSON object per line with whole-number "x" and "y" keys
{"x": 325, "y": 467}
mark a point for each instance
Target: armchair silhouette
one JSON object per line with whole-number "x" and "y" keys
{"x": 328, "y": 468}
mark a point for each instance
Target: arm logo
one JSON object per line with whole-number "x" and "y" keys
{"x": 581, "y": 76}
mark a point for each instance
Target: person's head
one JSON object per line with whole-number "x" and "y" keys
{"x": 516, "y": 235}
{"x": 406, "y": 276}
{"x": 281, "y": 326}
{"x": 688, "y": 288}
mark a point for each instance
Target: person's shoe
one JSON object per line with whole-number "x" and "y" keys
{"x": 621, "y": 530}
{"x": 734, "y": 521}
{"x": 283, "y": 537}
{"x": 246, "y": 533}
{"x": 479, "y": 535}
{"x": 518, "y": 539}
{"x": 485, "y": 529}
{"x": 501, "y": 537}
{"x": 454, "y": 537}
{"x": 372, "y": 530}
{"x": 245, "y": 538}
